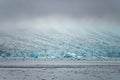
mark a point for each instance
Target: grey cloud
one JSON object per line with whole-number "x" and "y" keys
{"x": 25, "y": 9}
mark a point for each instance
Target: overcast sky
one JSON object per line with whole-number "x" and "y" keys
{"x": 58, "y": 13}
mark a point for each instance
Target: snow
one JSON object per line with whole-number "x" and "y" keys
{"x": 59, "y": 74}
{"x": 88, "y": 44}
{"x": 59, "y": 70}
{"x": 53, "y": 64}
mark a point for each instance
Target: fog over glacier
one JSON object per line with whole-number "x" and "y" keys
{"x": 60, "y": 29}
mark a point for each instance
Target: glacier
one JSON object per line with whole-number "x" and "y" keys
{"x": 81, "y": 45}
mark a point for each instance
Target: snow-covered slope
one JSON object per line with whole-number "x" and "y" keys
{"x": 82, "y": 44}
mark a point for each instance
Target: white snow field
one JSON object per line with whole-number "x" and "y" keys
{"x": 59, "y": 70}
{"x": 59, "y": 39}
{"x": 83, "y": 54}
{"x": 84, "y": 44}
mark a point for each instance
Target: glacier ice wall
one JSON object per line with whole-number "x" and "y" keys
{"x": 87, "y": 44}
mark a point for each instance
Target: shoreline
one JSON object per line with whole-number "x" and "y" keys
{"x": 55, "y": 64}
